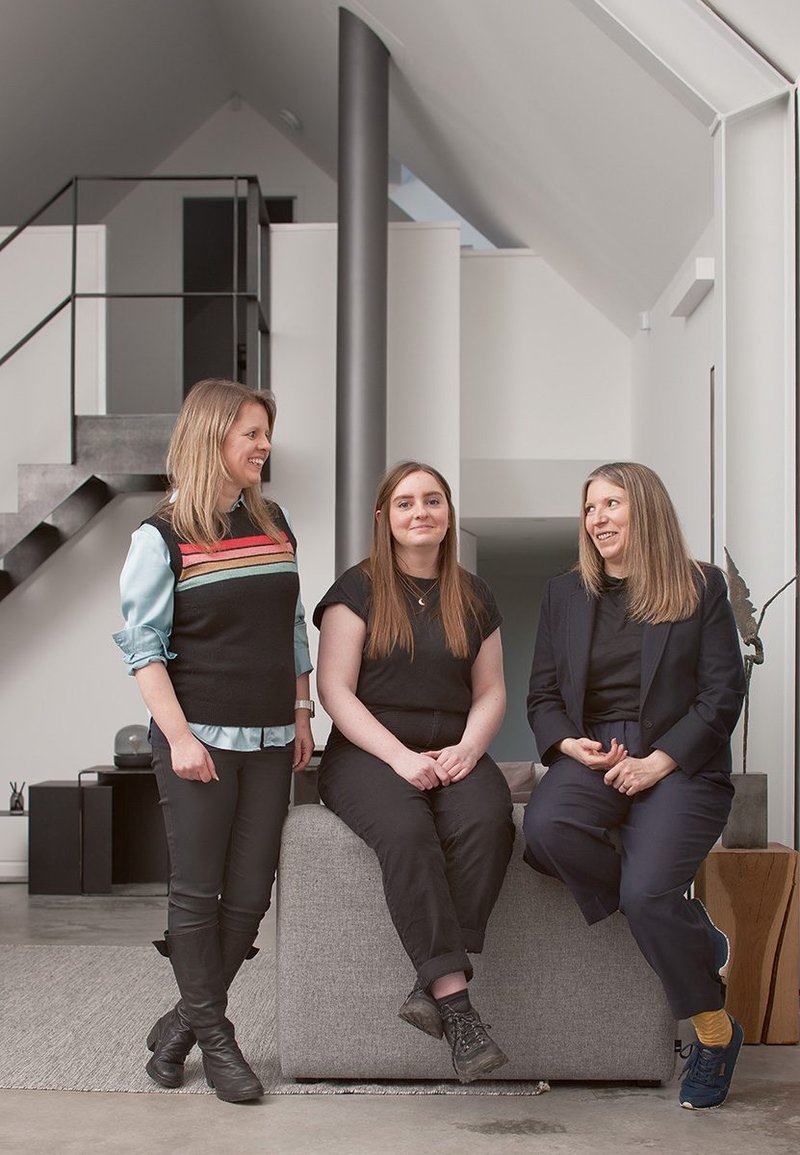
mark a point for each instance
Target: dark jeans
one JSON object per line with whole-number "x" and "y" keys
{"x": 223, "y": 837}
{"x": 443, "y": 852}
{"x": 666, "y": 832}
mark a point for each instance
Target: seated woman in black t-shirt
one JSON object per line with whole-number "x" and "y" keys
{"x": 410, "y": 671}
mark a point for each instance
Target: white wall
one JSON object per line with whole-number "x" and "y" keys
{"x": 423, "y": 354}
{"x": 245, "y": 143}
{"x": 755, "y": 436}
{"x": 146, "y": 248}
{"x": 303, "y": 466}
{"x": 544, "y": 374}
{"x": 64, "y": 692}
{"x": 35, "y": 276}
{"x": 546, "y": 386}
{"x": 670, "y": 402}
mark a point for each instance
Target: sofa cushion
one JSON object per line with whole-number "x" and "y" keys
{"x": 547, "y": 982}
{"x": 521, "y": 777}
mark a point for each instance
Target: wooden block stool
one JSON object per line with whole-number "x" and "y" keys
{"x": 753, "y": 896}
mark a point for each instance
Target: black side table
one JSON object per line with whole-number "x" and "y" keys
{"x": 69, "y": 838}
{"x": 138, "y": 842}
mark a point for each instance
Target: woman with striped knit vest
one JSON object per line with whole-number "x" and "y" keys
{"x": 215, "y": 636}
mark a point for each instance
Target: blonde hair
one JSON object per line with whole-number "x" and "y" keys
{"x": 390, "y": 619}
{"x": 196, "y": 467}
{"x": 662, "y": 577}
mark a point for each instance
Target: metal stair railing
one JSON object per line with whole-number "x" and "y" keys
{"x": 255, "y": 293}
{"x": 28, "y": 537}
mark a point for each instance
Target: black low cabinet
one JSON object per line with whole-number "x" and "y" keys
{"x": 85, "y": 837}
{"x": 139, "y": 845}
{"x": 69, "y": 838}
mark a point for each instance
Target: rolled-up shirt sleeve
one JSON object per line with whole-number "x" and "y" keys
{"x": 302, "y": 654}
{"x": 147, "y": 586}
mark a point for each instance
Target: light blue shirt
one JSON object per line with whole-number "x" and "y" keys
{"x": 147, "y": 588}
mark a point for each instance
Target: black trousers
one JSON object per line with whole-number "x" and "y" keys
{"x": 443, "y": 852}
{"x": 223, "y": 837}
{"x": 666, "y": 833}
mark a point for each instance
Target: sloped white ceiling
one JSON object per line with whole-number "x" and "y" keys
{"x": 100, "y": 86}
{"x": 772, "y": 26}
{"x": 523, "y": 114}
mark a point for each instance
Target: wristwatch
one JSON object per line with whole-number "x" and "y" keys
{"x": 304, "y": 704}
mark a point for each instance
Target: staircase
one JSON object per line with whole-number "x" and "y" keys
{"x": 113, "y": 454}
{"x": 126, "y": 453}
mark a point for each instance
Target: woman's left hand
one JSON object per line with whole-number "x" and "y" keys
{"x": 303, "y": 744}
{"x": 458, "y": 761}
{"x": 633, "y": 775}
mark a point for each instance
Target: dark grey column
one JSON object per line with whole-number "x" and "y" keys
{"x": 362, "y": 251}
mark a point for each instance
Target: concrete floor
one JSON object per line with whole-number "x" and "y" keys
{"x": 762, "y": 1115}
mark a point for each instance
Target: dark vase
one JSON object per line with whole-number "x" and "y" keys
{"x": 746, "y": 828}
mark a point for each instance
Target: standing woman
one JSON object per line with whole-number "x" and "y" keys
{"x": 410, "y": 671}
{"x": 636, "y": 687}
{"x": 215, "y": 636}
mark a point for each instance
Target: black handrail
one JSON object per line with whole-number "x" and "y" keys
{"x": 21, "y": 228}
{"x": 252, "y": 294}
{"x": 36, "y": 329}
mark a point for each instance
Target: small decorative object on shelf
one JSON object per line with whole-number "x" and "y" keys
{"x": 132, "y": 749}
{"x": 17, "y": 805}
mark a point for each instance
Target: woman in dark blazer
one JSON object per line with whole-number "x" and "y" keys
{"x": 637, "y": 684}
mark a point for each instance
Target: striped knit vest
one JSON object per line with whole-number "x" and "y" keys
{"x": 233, "y": 624}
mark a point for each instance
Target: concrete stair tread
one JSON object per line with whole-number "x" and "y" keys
{"x": 115, "y": 453}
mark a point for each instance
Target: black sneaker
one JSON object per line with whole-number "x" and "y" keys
{"x": 708, "y": 1072}
{"x": 722, "y": 946}
{"x": 421, "y": 1011}
{"x": 474, "y": 1052}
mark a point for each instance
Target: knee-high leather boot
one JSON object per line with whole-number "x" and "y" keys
{"x": 196, "y": 959}
{"x": 171, "y": 1038}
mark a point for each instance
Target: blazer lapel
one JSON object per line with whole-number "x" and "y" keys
{"x": 580, "y": 623}
{"x": 654, "y": 638}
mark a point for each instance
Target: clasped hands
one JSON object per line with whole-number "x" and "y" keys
{"x": 435, "y": 767}
{"x": 624, "y": 773}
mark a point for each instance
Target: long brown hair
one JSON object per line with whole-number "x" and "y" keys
{"x": 196, "y": 467}
{"x": 662, "y": 576}
{"x": 390, "y": 619}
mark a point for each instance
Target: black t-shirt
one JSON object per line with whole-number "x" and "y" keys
{"x": 433, "y": 679}
{"x": 615, "y": 662}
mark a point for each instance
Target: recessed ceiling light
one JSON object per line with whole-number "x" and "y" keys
{"x": 291, "y": 118}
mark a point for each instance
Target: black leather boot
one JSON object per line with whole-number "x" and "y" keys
{"x": 474, "y": 1052}
{"x": 421, "y": 1011}
{"x": 171, "y": 1038}
{"x": 196, "y": 958}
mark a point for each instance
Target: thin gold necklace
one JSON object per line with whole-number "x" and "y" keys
{"x": 414, "y": 589}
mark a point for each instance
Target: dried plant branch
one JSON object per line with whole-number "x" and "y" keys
{"x": 744, "y": 614}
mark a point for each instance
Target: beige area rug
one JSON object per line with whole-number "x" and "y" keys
{"x": 74, "y": 1018}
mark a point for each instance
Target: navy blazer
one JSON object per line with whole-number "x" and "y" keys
{"x": 692, "y": 685}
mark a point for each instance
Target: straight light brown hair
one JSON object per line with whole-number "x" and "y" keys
{"x": 662, "y": 578}
{"x": 390, "y": 618}
{"x": 196, "y": 469}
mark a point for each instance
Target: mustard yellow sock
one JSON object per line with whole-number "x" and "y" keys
{"x": 713, "y": 1028}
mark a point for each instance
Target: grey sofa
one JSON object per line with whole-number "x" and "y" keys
{"x": 566, "y": 1001}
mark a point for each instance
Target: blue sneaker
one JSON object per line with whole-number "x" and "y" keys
{"x": 722, "y": 946}
{"x": 706, "y": 1078}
